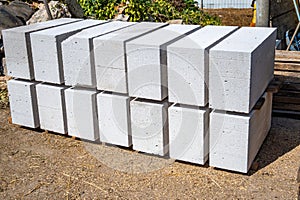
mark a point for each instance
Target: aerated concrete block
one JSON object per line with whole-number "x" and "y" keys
{"x": 78, "y": 54}
{"x": 51, "y": 106}
{"x": 110, "y": 61}
{"x": 23, "y": 104}
{"x": 46, "y": 50}
{"x": 18, "y": 49}
{"x": 81, "y": 109}
{"x": 188, "y": 65}
{"x": 188, "y": 134}
{"x": 147, "y": 61}
{"x": 235, "y": 139}
{"x": 240, "y": 69}
{"x": 114, "y": 119}
{"x": 149, "y": 123}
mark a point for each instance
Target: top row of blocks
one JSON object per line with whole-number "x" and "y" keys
{"x": 147, "y": 60}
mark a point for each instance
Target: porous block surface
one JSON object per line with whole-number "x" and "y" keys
{"x": 110, "y": 62}
{"x": 47, "y": 53}
{"x": 51, "y": 106}
{"x": 149, "y": 125}
{"x": 81, "y": 112}
{"x": 240, "y": 69}
{"x": 114, "y": 119}
{"x": 188, "y": 134}
{"x": 147, "y": 61}
{"x": 78, "y": 53}
{"x": 18, "y": 47}
{"x": 235, "y": 139}
{"x": 188, "y": 65}
{"x": 23, "y": 103}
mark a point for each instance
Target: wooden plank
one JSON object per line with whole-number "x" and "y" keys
{"x": 287, "y": 56}
{"x": 286, "y": 76}
{"x": 286, "y": 106}
{"x": 295, "y": 67}
{"x": 288, "y": 93}
{"x": 285, "y": 99}
{"x": 286, "y": 113}
{"x": 291, "y": 86}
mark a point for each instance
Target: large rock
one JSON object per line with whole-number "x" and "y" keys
{"x": 22, "y": 10}
{"x": 14, "y": 14}
{"x": 75, "y": 8}
{"x": 57, "y": 9}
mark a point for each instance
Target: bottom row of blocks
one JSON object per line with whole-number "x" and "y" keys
{"x": 186, "y": 133}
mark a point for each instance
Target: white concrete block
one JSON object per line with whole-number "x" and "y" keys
{"x": 23, "y": 103}
{"x": 235, "y": 139}
{"x": 149, "y": 123}
{"x": 46, "y": 50}
{"x": 110, "y": 52}
{"x": 240, "y": 69}
{"x": 78, "y": 54}
{"x": 81, "y": 109}
{"x": 114, "y": 119}
{"x": 147, "y": 61}
{"x": 51, "y": 106}
{"x": 17, "y": 47}
{"x": 188, "y": 134}
{"x": 188, "y": 65}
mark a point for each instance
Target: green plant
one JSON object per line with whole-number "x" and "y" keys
{"x": 137, "y": 10}
{"x": 149, "y": 10}
{"x": 99, "y": 9}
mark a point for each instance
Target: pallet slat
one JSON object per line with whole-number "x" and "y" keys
{"x": 287, "y": 56}
{"x": 286, "y": 106}
{"x": 287, "y": 70}
{"x": 285, "y": 99}
{"x": 294, "y": 67}
{"x": 291, "y": 86}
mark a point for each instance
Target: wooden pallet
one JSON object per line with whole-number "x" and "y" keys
{"x": 287, "y": 71}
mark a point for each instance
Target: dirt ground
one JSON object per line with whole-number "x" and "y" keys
{"x": 233, "y": 17}
{"x": 40, "y": 165}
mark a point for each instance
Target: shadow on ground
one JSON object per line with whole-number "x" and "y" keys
{"x": 280, "y": 140}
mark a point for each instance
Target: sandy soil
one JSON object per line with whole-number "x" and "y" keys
{"x": 39, "y": 165}
{"x": 233, "y": 17}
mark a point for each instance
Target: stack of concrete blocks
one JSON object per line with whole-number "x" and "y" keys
{"x": 79, "y": 72}
{"x": 169, "y": 90}
{"x": 18, "y": 53}
{"x": 147, "y": 81}
{"x": 48, "y": 68}
{"x": 78, "y": 54}
{"x": 111, "y": 73}
{"x": 188, "y": 66}
{"x": 241, "y": 68}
